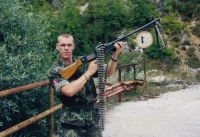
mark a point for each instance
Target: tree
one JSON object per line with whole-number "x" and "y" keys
{"x": 141, "y": 12}
{"x": 171, "y": 25}
{"x": 68, "y": 19}
{"x": 103, "y": 19}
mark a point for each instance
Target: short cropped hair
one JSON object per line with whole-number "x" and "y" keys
{"x": 65, "y": 35}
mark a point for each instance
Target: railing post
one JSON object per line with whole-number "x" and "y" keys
{"x": 134, "y": 72}
{"x": 145, "y": 81}
{"x": 51, "y": 116}
{"x": 119, "y": 80}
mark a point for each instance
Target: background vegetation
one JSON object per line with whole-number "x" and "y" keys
{"x": 25, "y": 58}
{"x": 28, "y": 32}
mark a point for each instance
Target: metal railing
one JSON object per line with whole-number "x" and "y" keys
{"x": 37, "y": 117}
{"x": 119, "y": 68}
{"x": 52, "y": 108}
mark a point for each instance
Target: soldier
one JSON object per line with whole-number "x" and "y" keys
{"x": 80, "y": 117}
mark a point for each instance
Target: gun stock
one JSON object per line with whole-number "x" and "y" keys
{"x": 67, "y": 72}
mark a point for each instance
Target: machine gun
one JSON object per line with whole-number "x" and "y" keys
{"x": 67, "y": 72}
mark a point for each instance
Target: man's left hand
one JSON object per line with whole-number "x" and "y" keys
{"x": 119, "y": 47}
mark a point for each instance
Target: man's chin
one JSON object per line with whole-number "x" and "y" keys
{"x": 66, "y": 57}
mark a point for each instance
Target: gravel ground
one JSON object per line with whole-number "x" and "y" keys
{"x": 173, "y": 114}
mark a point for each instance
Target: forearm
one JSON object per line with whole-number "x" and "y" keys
{"x": 112, "y": 65}
{"x": 75, "y": 86}
{"x": 113, "y": 62}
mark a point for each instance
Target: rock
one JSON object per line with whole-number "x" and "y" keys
{"x": 56, "y": 3}
{"x": 184, "y": 39}
{"x": 126, "y": 48}
{"x": 157, "y": 79}
{"x": 161, "y": 3}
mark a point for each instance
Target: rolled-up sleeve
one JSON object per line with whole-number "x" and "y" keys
{"x": 59, "y": 86}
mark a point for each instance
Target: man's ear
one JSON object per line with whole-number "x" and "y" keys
{"x": 56, "y": 46}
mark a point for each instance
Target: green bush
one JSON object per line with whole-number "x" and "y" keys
{"x": 174, "y": 44}
{"x": 166, "y": 64}
{"x": 131, "y": 42}
{"x": 140, "y": 12}
{"x": 129, "y": 58}
{"x": 171, "y": 24}
{"x": 156, "y": 51}
{"x": 187, "y": 8}
{"x": 24, "y": 59}
{"x": 103, "y": 19}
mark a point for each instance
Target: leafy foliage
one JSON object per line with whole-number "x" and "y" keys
{"x": 171, "y": 25}
{"x": 102, "y": 19}
{"x": 68, "y": 19}
{"x": 132, "y": 57}
{"x": 187, "y": 9}
{"x": 156, "y": 50}
{"x": 141, "y": 12}
{"x": 100, "y": 22}
{"x": 24, "y": 59}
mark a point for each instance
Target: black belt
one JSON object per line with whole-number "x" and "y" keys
{"x": 80, "y": 106}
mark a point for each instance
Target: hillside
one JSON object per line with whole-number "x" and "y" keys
{"x": 189, "y": 38}
{"x": 194, "y": 42}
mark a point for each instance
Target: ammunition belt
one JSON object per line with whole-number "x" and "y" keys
{"x": 101, "y": 81}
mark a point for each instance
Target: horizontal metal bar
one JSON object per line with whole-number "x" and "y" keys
{"x": 7, "y": 92}
{"x": 125, "y": 66}
{"x": 119, "y": 87}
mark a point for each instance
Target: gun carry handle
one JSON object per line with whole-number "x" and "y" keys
{"x": 67, "y": 72}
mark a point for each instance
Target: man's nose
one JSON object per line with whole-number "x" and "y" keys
{"x": 66, "y": 47}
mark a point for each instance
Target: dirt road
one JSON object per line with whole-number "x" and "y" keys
{"x": 173, "y": 114}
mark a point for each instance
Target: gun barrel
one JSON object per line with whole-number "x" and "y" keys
{"x": 109, "y": 45}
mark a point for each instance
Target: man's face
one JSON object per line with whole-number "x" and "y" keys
{"x": 65, "y": 46}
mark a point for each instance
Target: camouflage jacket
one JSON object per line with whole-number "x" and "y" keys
{"x": 85, "y": 98}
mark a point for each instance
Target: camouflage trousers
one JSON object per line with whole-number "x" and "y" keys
{"x": 80, "y": 121}
{"x": 76, "y": 131}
